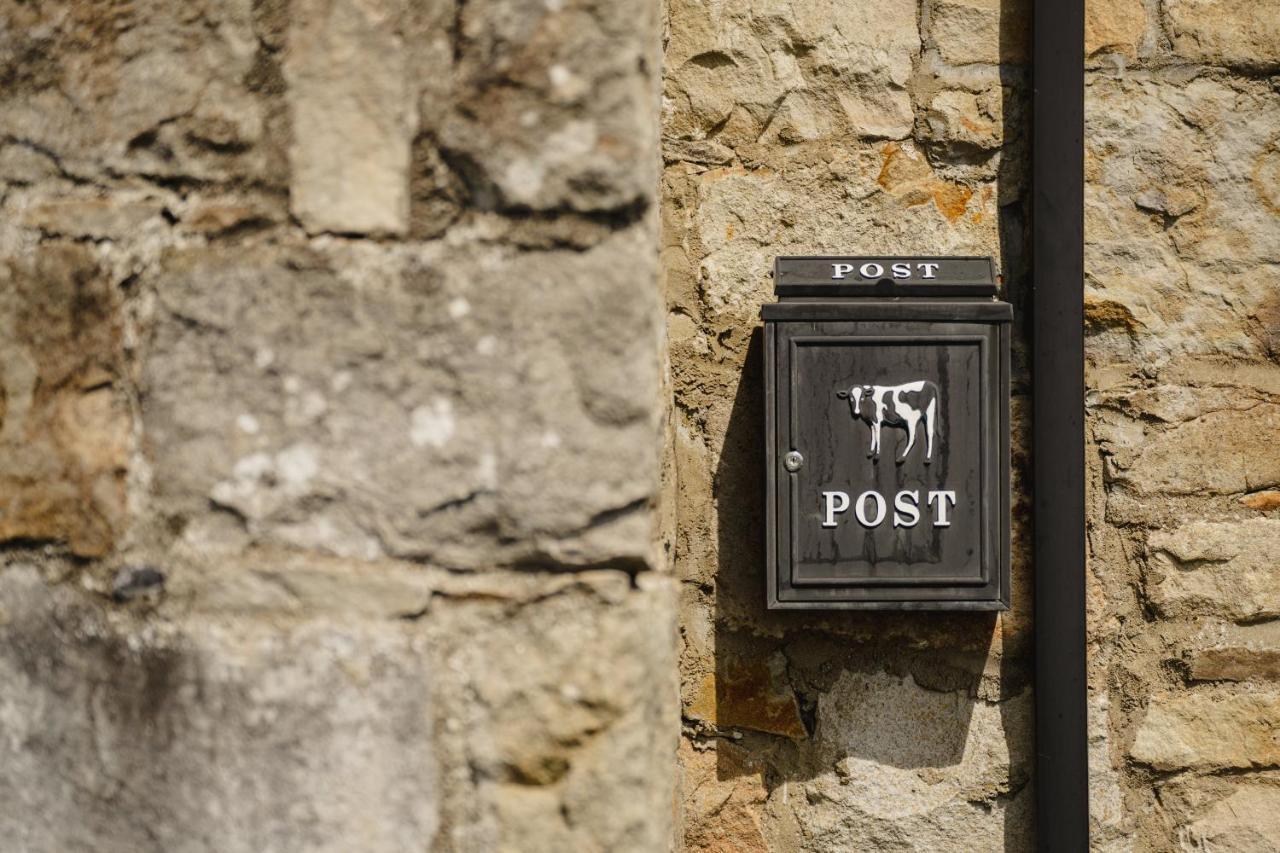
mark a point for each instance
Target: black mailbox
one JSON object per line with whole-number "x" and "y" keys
{"x": 887, "y": 396}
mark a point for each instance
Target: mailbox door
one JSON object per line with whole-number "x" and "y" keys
{"x": 898, "y": 498}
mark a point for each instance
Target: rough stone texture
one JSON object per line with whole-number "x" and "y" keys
{"x": 553, "y": 105}
{"x": 1235, "y": 33}
{"x": 1226, "y": 815}
{"x": 968, "y": 31}
{"x": 169, "y": 90}
{"x": 1226, "y": 652}
{"x": 1114, "y": 27}
{"x": 1210, "y": 730}
{"x": 912, "y": 767}
{"x": 352, "y": 109}
{"x": 1217, "y": 568}
{"x": 64, "y": 421}
{"x": 330, "y": 428}
{"x": 723, "y": 799}
{"x": 455, "y": 360}
{"x": 817, "y": 128}
{"x": 1184, "y": 420}
{"x": 211, "y": 735}
{"x": 789, "y": 76}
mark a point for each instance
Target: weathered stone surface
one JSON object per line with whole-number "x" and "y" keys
{"x": 64, "y": 422}
{"x": 1235, "y": 33}
{"x": 552, "y": 104}
{"x": 559, "y": 712}
{"x": 353, "y": 306}
{"x": 434, "y": 405}
{"x": 1111, "y": 825}
{"x": 1245, "y": 457}
{"x": 1180, "y": 221}
{"x": 1209, "y": 729}
{"x": 162, "y": 89}
{"x": 1223, "y": 652}
{"x": 95, "y": 218}
{"x": 1114, "y": 26}
{"x": 1233, "y": 815}
{"x": 723, "y": 797}
{"x": 354, "y": 114}
{"x": 1216, "y": 568}
{"x": 975, "y": 120}
{"x": 1182, "y": 182}
{"x": 967, "y": 31}
{"x": 911, "y": 766}
{"x": 789, "y": 77}
{"x": 1263, "y": 501}
{"x": 240, "y": 736}
{"x": 337, "y": 727}
{"x": 748, "y": 693}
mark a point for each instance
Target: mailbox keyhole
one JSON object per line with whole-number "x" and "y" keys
{"x": 793, "y": 461}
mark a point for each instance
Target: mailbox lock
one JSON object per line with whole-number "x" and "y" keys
{"x": 793, "y": 461}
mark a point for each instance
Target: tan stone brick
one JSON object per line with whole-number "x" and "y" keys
{"x": 64, "y": 423}
{"x": 1114, "y": 26}
{"x": 749, "y": 694}
{"x": 1223, "y": 452}
{"x": 1235, "y": 33}
{"x": 723, "y": 796}
{"x": 354, "y": 116}
{"x": 1216, "y": 568}
{"x": 1263, "y": 501}
{"x": 968, "y": 31}
{"x": 1237, "y": 814}
{"x": 1235, "y": 653}
{"x": 1209, "y": 730}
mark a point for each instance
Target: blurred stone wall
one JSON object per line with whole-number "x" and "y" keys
{"x": 1183, "y": 374}
{"x": 333, "y": 513}
{"x": 820, "y": 127}
{"x": 330, "y": 427}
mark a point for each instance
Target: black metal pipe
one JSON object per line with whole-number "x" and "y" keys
{"x": 1057, "y": 172}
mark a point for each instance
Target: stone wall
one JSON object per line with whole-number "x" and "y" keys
{"x": 1183, "y": 372}
{"x": 815, "y": 127}
{"x": 330, "y": 428}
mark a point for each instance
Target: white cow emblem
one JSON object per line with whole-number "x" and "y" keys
{"x": 905, "y": 406}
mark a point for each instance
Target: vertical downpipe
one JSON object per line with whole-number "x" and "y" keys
{"x": 1057, "y": 170}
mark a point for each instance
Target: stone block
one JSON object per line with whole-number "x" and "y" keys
{"x": 1114, "y": 26}
{"x": 64, "y": 420}
{"x": 798, "y": 75}
{"x": 1263, "y": 501}
{"x": 1181, "y": 208}
{"x": 1110, "y": 823}
{"x": 560, "y": 709}
{"x": 1223, "y": 652}
{"x": 156, "y": 89}
{"x": 751, "y": 694}
{"x": 989, "y": 31}
{"x": 212, "y": 736}
{"x": 552, "y": 105}
{"x": 466, "y": 406}
{"x": 93, "y": 218}
{"x": 1231, "y": 815}
{"x": 1234, "y": 33}
{"x": 1216, "y": 568}
{"x": 1222, "y": 452}
{"x": 1209, "y": 730}
{"x": 353, "y": 111}
{"x": 972, "y": 121}
{"x": 913, "y": 763}
{"x": 723, "y": 796}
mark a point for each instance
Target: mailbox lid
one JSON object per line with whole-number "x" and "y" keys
{"x": 892, "y": 551}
